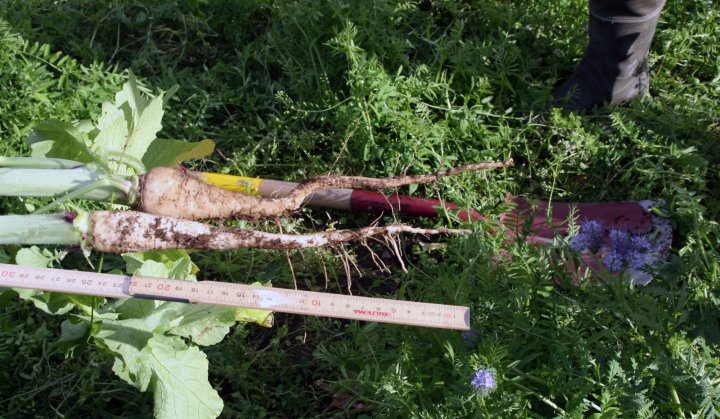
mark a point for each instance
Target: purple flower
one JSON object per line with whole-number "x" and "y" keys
{"x": 613, "y": 261}
{"x": 484, "y": 382}
{"x": 589, "y": 237}
{"x": 627, "y": 250}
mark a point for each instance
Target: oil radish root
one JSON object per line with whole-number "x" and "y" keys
{"x": 130, "y": 231}
{"x": 176, "y": 193}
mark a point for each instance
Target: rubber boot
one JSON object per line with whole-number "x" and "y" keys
{"x": 614, "y": 68}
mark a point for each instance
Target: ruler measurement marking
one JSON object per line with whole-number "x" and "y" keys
{"x": 238, "y": 295}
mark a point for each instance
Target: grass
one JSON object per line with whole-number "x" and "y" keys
{"x": 293, "y": 90}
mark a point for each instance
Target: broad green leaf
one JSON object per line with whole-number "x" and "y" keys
{"x": 203, "y": 323}
{"x": 172, "y": 264}
{"x": 170, "y": 153}
{"x": 59, "y": 139}
{"x": 112, "y": 137}
{"x": 253, "y": 315}
{"x": 178, "y": 376}
{"x": 73, "y": 334}
{"x": 129, "y": 338}
{"x": 85, "y": 127}
{"x": 132, "y": 308}
{"x": 134, "y": 261}
{"x": 182, "y": 269}
{"x": 35, "y": 257}
{"x": 153, "y": 269}
{"x": 177, "y": 263}
{"x": 49, "y": 302}
{"x": 155, "y": 320}
{"x": 41, "y": 148}
{"x": 127, "y": 127}
{"x": 145, "y": 130}
{"x": 138, "y": 338}
{"x": 71, "y": 331}
{"x": 55, "y": 303}
{"x": 126, "y": 338}
{"x": 112, "y": 112}
{"x": 131, "y": 95}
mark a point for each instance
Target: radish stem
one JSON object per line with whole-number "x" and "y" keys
{"x": 38, "y": 163}
{"x": 125, "y": 187}
{"x": 128, "y": 160}
{"x": 38, "y": 229}
{"x": 57, "y": 182}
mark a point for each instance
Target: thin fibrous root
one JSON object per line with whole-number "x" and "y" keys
{"x": 175, "y": 193}
{"x": 358, "y": 182}
{"x": 130, "y": 231}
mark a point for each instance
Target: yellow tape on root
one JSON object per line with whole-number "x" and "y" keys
{"x": 245, "y": 185}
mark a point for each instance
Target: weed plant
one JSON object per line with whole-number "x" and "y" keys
{"x": 290, "y": 90}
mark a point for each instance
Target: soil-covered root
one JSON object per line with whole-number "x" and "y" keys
{"x": 176, "y": 193}
{"x": 130, "y": 231}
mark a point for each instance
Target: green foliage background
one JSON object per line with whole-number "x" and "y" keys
{"x": 289, "y": 90}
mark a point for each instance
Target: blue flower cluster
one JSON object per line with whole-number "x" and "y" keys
{"x": 484, "y": 382}
{"x": 589, "y": 237}
{"x": 625, "y": 250}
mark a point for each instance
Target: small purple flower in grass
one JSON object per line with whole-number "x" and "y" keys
{"x": 484, "y": 381}
{"x": 589, "y": 237}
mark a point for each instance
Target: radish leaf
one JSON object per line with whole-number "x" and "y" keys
{"x": 254, "y": 315}
{"x": 111, "y": 137}
{"x": 144, "y": 132}
{"x": 131, "y": 95}
{"x": 147, "y": 338}
{"x": 53, "y": 138}
{"x": 146, "y": 357}
{"x": 176, "y": 373}
{"x": 170, "y": 153}
{"x": 264, "y": 318}
{"x": 73, "y": 335}
{"x": 49, "y": 302}
{"x": 36, "y": 257}
{"x": 177, "y": 264}
{"x": 128, "y": 126}
{"x": 203, "y": 323}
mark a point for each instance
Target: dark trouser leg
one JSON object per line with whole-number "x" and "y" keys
{"x": 614, "y": 68}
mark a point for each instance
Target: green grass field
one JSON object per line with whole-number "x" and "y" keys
{"x": 290, "y": 90}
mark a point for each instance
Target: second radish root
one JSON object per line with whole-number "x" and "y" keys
{"x": 129, "y": 231}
